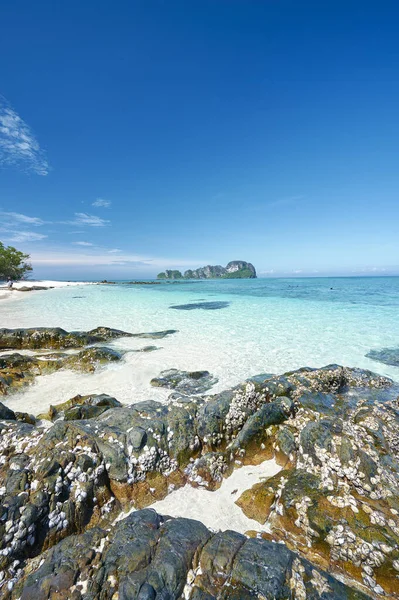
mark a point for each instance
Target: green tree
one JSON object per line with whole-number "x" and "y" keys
{"x": 13, "y": 263}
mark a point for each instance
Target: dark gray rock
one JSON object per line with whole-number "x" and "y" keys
{"x": 57, "y": 338}
{"x": 43, "y": 337}
{"x": 147, "y": 557}
{"x": 74, "y": 478}
{"x": 6, "y": 414}
{"x": 216, "y": 305}
{"x": 89, "y": 359}
{"x": 155, "y": 335}
{"x": 254, "y": 431}
{"x": 387, "y": 356}
{"x": 186, "y": 382}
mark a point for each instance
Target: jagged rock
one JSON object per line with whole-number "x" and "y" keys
{"x": 236, "y": 269}
{"x": 387, "y": 356}
{"x": 77, "y": 475}
{"x": 6, "y": 414}
{"x": 57, "y": 338}
{"x": 81, "y": 407}
{"x": 147, "y": 556}
{"x": 17, "y": 370}
{"x": 25, "y": 418}
{"x": 186, "y": 382}
{"x": 43, "y": 337}
{"x": 255, "y": 430}
{"x": 339, "y": 496}
{"x": 87, "y": 360}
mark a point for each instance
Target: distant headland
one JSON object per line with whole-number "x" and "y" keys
{"x": 236, "y": 269}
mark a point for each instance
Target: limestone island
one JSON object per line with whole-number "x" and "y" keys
{"x": 236, "y": 269}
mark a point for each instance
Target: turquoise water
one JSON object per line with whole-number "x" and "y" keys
{"x": 246, "y": 327}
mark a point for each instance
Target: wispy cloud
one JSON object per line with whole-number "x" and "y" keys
{"x": 23, "y": 236}
{"x": 18, "y": 145}
{"x": 15, "y": 227}
{"x": 100, "y": 202}
{"x": 114, "y": 251}
{"x": 269, "y": 272}
{"x": 19, "y": 218}
{"x": 82, "y": 243}
{"x": 90, "y": 220}
{"x": 102, "y": 257}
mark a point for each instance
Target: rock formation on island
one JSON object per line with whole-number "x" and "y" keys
{"x": 236, "y": 269}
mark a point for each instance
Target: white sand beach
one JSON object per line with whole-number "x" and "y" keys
{"x": 218, "y": 510}
{"x": 14, "y": 293}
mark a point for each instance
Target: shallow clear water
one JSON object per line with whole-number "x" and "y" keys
{"x": 251, "y": 326}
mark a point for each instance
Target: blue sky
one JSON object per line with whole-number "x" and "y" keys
{"x": 141, "y": 135}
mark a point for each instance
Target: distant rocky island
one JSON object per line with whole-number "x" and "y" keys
{"x": 236, "y": 269}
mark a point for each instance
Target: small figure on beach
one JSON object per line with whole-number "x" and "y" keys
{"x": 9, "y": 283}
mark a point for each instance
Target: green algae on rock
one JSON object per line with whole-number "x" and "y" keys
{"x": 80, "y": 407}
{"x": 17, "y": 370}
{"x": 335, "y": 506}
{"x": 36, "y": 338}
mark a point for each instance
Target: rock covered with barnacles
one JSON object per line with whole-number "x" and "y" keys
{"x": 337, "y": 500}
{"x": 147, "y": 557}
{"x": 329, "y": 427}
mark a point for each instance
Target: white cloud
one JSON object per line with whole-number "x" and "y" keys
{"x": 102, "y": 203}
{"x": 114, "y": 250}
{"x": 104, "y": 258}
{"x": 18, "y": 218}
{"x": 24, "y": 236}
{"x": 82, "y": 243}
{"x": 90, "y": 220}
{"x": 270, "y": 272}
{"x": 18, "y": 145}
{"x": 14, "y": 227}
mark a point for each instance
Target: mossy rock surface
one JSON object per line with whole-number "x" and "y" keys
{"x": 81, "y": 407}
{"x": 337, "y": 493}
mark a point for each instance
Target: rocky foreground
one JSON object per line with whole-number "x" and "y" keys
{"x": 331, "y": 514}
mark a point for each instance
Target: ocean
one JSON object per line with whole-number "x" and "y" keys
{"x": 233, "y": 328}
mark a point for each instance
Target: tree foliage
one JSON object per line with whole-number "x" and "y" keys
{"x": 13, "y": 263}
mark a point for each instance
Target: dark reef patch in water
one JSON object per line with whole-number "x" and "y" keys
{"x": 201, "y": 305}
{"x": 388, "y": 356}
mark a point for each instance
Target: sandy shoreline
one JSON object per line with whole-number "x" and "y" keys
{"x": 13, "y": 294}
